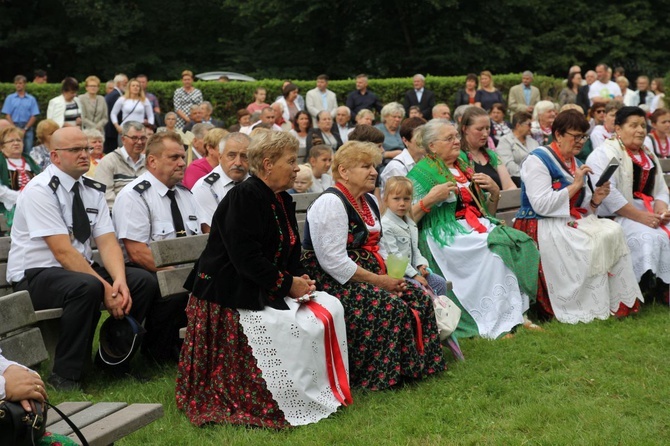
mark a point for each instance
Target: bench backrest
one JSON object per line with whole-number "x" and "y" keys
{"x": 20, "y": 341}
{"x": 181, "y": 253}
{"x": 510, "y": 202}
{"x": 302, "y": 202}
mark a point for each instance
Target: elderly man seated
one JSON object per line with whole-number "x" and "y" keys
{"x": 125, "y": 163}
{"x": 233, "y": 168}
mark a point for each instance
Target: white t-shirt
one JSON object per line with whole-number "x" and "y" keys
{"x": 609, "y": 90}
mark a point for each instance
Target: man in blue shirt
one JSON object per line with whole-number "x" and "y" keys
{"x": 362, "y": 98}
{"x": 21, "y": 109}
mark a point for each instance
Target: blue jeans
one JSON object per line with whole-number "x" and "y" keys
{"x": 28, "y": 137}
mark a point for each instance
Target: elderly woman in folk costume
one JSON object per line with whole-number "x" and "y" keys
{"x": 639, "y": 197}
{"x": 586, "y": 271}
{"x": 493, "y": 269}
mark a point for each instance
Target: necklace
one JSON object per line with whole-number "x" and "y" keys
{"x": 461, "y": 177}
{"x": 573, "y": 163}
{"x": 362, "y": 207}
{"x": 663, "y": 151}
{"x": 23, "y": 176}
{"x": 291, "y": 233}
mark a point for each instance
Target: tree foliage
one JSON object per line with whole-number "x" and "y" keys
{"x": 303, "y": 38}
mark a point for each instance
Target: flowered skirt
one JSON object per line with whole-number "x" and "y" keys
{"x": 258, "y": 368}
{"x": 385, "y": 346}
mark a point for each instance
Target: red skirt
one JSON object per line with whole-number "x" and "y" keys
{"x": 542, "y": 304}
{"x": 218, "y": 379}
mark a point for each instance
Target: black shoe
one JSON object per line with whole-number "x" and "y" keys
{"x": 63, "y": 384}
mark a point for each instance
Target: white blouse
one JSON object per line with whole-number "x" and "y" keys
{"x": 328, "y": 228}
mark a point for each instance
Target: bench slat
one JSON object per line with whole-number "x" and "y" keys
{"x": 121, "y": 424}
{"x": 171, "y": 281}
{"x": 302, "y": 201}
{"x": 178, "y": 250}
{"x": 87, "y": 416}
{"x": 16, "y": 311}
{"x": 510, "y": 199}
{"x": 26, "y": 347}
{"x": 665, "y": 164}
{"x": 68, "y": 408}
{"x": 46, "y": 315}
{"x": 4, "y": 248}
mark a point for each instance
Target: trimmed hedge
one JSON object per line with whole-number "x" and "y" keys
{"x": 229, "y": 97}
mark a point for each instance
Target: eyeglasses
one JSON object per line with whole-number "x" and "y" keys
{"x": 12, "y": 141}
{"x": 450, "y": 139}
{"x": 76, "y": 150}
{"x": 578, "y": 138}
{"x": 600, "y": 111}
{"x": 136, "y": 138}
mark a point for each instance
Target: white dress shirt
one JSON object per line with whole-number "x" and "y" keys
{"x": 208, "y": 192}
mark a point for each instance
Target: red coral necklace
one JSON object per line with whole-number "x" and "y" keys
{"x": 361, "y": 207}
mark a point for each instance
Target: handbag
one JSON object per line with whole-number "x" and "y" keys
{"x": 447, "y": 315}
{"x": 21, "y": 428}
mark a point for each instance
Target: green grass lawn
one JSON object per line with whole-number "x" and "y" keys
{"x": 607, "y": 382}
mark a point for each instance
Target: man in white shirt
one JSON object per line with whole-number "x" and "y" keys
{"x": 412, "y": 154}
{"x": 320, "y": 160}
{"x": 442, "y": 111}
{"x": 320, "y": 98}
{"x": 233, "y": 168}
{"x": 124, "y": 164}
{"x": 267, "y": 118}
{"x": 603, "y": 89}
{"x": 156, "y": 206}
{"x": 342, "y": 125}
{"x": 56, "y": 216}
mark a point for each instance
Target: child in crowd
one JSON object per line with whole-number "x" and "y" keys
{"x": 320, "y": 159}
{"x": 303, "y": 180}
{"x": 401, "y": 236}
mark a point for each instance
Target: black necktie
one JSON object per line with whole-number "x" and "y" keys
{"x": 176, "y": 215}
{"x": 81, "y": 228}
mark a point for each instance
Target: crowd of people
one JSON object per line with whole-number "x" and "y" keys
{"x": 267, "y": 306}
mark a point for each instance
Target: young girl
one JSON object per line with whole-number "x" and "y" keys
{"x": 401, "y": 236}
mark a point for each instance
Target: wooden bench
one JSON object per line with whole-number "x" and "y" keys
{"x": 302, "y": 202}
{"x": 509, "y": 204}
{"x": 180, "y": 253}
{"x": 20, "y": 339}
{"x": 101, "y": 423}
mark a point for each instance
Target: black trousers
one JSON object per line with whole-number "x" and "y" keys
{"x": 80, "y": 296}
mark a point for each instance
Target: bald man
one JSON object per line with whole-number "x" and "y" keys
{"x": 56, "y": 216}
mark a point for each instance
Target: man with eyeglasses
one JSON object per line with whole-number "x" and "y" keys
{"x": 56, "y": 216}
{"x": 156, "y": 206}
{"x": 233, "y": 168}
{"x": 126, "y": 163}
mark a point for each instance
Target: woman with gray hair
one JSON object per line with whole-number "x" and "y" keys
{"x": 254, "y": 352}
{"x": 464, "y": 242}
{"x": 392, "y": 115}
{"x": 544, "y": 114}
{"x": 96, "y": 141}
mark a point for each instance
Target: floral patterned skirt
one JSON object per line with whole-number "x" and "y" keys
{"x": 381, "y": 328}
{"x": 218, "y": 379}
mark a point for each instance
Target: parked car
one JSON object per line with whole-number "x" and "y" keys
{"x": 215, "y": 75}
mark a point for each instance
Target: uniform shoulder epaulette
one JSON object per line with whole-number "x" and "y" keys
{"x": 184, "y": 188}
{"x": 142, "y": 186}
{"x": 54, "y": 182}
{"x": 94, "y": 184}
{"x": 212, "y": 178}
